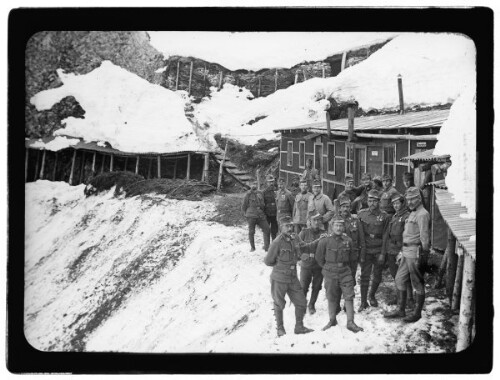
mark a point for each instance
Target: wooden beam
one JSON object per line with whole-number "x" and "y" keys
{"x": 465, "y": 325}
{"x": 398, "y": 137}
{"x": 82, "y": 168}
{"x": 54, "y": 171}
{"x": 220, "y": 79}
{"x": 102, "y": 163}
{"x": 93, "y": 162}
{"x": 276, "y": 81}
{"x": 42, "y": 169}
{"x": 343, "y": 62}
{"x": 111, "y": 162}
{"x": 350, "y": 123}
{"x": 205, "y": 168}
{"x": 149, "y": 168}
{"x": 175, "y": 168}
{"x": 177, "y": 76}
{"x": 328, "y": 129}
{"x": 455, "y": 302}
{"x": 72, "y": 167}
{"x": 137, "y": 164}
{"x": 441, "y": 272}
{"x": 451, "y": 267}
{"x": 219, "y": 179}
{"x": 159, "y": 166}
{"x": 190, "y": 78}
{"x": 296, "y": 76}
{"x": 188, "y": 170}
{"x": 323, "y": 68}
{"x": 126, "y": 163}
{"x": 26, "y": 156}
{"x": 37, "y": 164}
{"x": 304, "y": 74}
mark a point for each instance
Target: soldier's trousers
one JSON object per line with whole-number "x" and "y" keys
{"x": 408, "y": 271}
{"x": 391, "y": 263}
{"x": 338, "y": 282}
{"x": 353, "y": 264}
{"x": 294, "y": 291}
{"x": 368, "y": 267}
{"x": 273, "y": 224}
{"x": 308, "y": 275}
{"x": 252, "y": 222}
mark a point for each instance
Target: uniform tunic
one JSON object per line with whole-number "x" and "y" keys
{"x": 270, "y": 209}
{"x": 354, "y": 229}
{"x": 333, "y": 255}
{"x": 385, "y": 200}
{"x": 284, "y": 203}
{"x": 300, "y": 208}
{"x": 283, "y": 255}
{"x": 309, "y": 268}
{"x": 323, "y": 205}
{"x": 253, "y": 208}
{"x": 394, "y": 238}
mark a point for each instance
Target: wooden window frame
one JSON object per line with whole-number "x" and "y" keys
{"x": 351, "y": 159}
{"x": 330, "y": 143}
{"x": 302, "y": 155}
{"x": 289, "y": 153}
{"x": 384, "y": 162}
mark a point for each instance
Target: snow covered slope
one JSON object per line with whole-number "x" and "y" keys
{"x": 156, "y": 275}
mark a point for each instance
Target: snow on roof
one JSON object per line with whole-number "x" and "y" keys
{"x": 434, "y": 68}
{"x": 125, "y": 110}
{"x": 53, "y": 144}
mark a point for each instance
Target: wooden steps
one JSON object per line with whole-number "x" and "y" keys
{"x": 240, "y": 175}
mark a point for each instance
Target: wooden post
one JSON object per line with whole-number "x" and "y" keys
{"x": 36, "y": 166}
{"x": 219, "y": 180}
{"x": 464, "y": 336}
{"x": 188, "y": 174}
{"x": 93, "y": 162}
{"x": 190, "y": 78}
{"x": 323, "y": 69}
{"x": 296, "y": 76}
{"x": 451, "y": 267}
{"x": 43, "y": 164}
{"x": 111, "y": 162}
{"x": 177, "y": 77}
{"x": 205, "y": 168}
{"x": 304, "y": 74}
{"x": 276, "y": 81}
{"x": 82, "y": 169}
{"x": 137, "y": 165}
{"x": 441, "y": 272}
{"x": 400, "y": 90}
{"x": 455, "y": 302}
{"x": 220, "y": 79}
{"x": 258, "y": 89}
{"x": 175, "y": 168}
{"x": 343, "y": 62}
{"x": 102, "y": 163}
{"x": 159, "y": 166}
{"x": 149, "y": 168}
{"x": 350, "y": 123}
{"x": 54, "y": 171}
{"x": 126, "y": 163}
{"x": 72, "y": 167}
{"x": 26, "y": 156}
{"x": 328, "y": 130}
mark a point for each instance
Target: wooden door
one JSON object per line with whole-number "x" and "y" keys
{"x": 374, "y": 160}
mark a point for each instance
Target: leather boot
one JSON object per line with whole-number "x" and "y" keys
{"x": 395, "y": 300}
{"x": 338, "y": 309}
{"x": 400, "y": 311}
{"x": 410, "y": 302}
{"x": 299, "y": 321}
{"x": 373, "y": 290}
{"x": 417, "y": 313}
{"x": 349, "y": 305}
{"x": 278, "y": 315}
{"x": 332, "y": 313}
{"x": 312, "y": 301}
{"x": 364, "y": 303}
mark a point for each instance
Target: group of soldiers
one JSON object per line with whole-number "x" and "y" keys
{"x": 366, "y": 225}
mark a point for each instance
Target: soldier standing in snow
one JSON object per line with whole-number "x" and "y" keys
{"x": 333, "y": 255}
{"x": 320, "y": 203}
{"x": 283, "y": 256}
{"x": 309, "y": 268}
{"x": 387, "y": 193}
{"x": 284, "y": 200}
{"x": 374, "y": 222}
{"x": 270, "y": 205}
{"x": 300, "y": 207}
{"x": 415, "y": 250}
{"x": 253, "y": 209}
{"x": 310, "y": 174}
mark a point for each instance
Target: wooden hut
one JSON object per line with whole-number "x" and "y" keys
{"x": 372, "y": 144}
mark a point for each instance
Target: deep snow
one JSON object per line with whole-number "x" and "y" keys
{"x": 155, "y": 275}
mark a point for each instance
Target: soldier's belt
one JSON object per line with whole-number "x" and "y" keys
{"x": 311, "y": 255}
{"x": 375, "y": 236}
{"x": 339, "y": 265}
{"x": 411, "y": 244}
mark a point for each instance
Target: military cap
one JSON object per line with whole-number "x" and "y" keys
{"x": 270, "y": 177}
{"x": 366, "y": 176}
{"x": 281, "y": 179}
{"x": 303, "y": 180}
{"x": 286, "y": 220}
{"x": 397, "y": 197}
{"x": 316, "y": 216}
{"x": 373, "y": 194}
{"x": 317, "y": 182}
{"x": 349, "y": 177}
{"x": 412, "y": 192}
{"x": 377, "y": 180}
{"x": 408, "y": 176}
{"x": 344, "y": 201}
{"x": 386, "y": 177}
{"x": 337, "y": 219}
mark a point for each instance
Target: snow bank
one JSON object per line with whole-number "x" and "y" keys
{"x": 125, "y": 110}
{"x": 435, "y": 68}
{"x": 457, "y": 138}
{"x": 60, "y": 142}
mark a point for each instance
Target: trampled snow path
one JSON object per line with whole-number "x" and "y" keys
{"x": 155, "y": 275}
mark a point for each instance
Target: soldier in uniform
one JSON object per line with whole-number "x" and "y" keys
{"x": 409, "y": 181}
{"x": 351, "y": 192}
{"x": 362, "y": 200}
{"x": 387, "y": 193}
{"x": 270, "y": 205}
{"x": 415, "y": 250}
{"x": 333, "y": 255}
{"x": 320, "y": 203}
{"x": 309, "y": 268}
{"x": 283, "y": 255}
{"x": 374, "y": 222}
{"x": 284, "y": 200}
{"x": 253, "y": 209}
{"x": 310, "y": 174}
{"x": 377, "y": 183}
{"x": 295, "y": 188}
{"x": 300, "y": 207}
{"x": 394, "y": 240}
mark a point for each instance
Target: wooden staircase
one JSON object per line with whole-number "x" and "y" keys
{"x": 243, "y": 177}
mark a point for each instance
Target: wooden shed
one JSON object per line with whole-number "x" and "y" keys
{"x": 373, "y": 144}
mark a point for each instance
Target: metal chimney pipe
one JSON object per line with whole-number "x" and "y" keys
{"x": 401, "y": 101}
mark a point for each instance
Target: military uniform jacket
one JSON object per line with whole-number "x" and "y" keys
{"x": 331, "y": 251}
{"x": 300, "y": 208}
{"x": 295, "y": 190}
{"x": 351, "y": 194}
{"x": 374, "y": 227}
{"x": 394, "y": 233}
{"x": 283, "y": 255}
{"x": 270, "y": 201}
{"x": 416, "y": 232}
{"x": 284, "y": 202}
{"x": 385, "y": 200}
{"x": 354, "y": 229}
{"x": 253, "y": 204}
{"x": 322, "y": 204}
{"x": 308, "y": 235}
